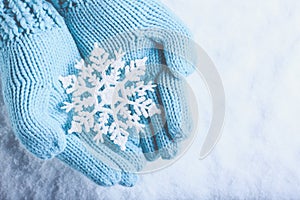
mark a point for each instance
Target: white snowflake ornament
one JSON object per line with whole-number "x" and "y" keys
{"x": 108, "y": 97}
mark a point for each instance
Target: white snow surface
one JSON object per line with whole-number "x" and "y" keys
{"x": 256, "y": 48}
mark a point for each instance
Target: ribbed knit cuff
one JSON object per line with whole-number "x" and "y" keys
{"x": 19, "y": 17}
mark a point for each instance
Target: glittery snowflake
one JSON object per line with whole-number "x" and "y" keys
{"x": 108, "y": 97}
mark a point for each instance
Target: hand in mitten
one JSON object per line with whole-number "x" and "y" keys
{"x": 36, "y": 49}
{"x": 139, "y": 27}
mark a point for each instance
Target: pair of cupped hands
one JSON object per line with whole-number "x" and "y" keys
{"x": 41, "y": 41}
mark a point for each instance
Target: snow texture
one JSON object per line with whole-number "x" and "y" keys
{"x": 256, "y": 48}
{"x": 108, "y": 97}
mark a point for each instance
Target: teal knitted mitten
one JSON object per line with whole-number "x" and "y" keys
{"x": 139, "y": 27}
{"x": 36, "y": 49}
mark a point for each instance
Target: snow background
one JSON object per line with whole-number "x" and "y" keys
{"x": 256, "y": 48}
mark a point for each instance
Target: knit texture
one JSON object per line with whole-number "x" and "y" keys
{"x": 36, "y": 49}
{"x": 139, "y": 27}
{"x": 30, "y": 64}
